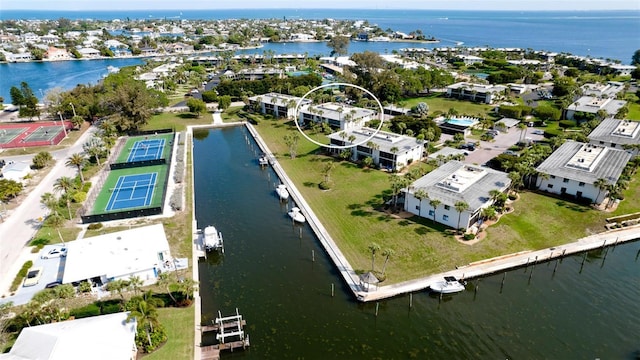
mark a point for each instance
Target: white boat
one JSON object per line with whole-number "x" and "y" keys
{"x": 263, "y": 161}
{"x": 447, "y": 286}
{"x": 282, "y": 192}
{"x": 296, "y": 215}
{"x": 112, "y": 69}
{"x": 213, "y": 239}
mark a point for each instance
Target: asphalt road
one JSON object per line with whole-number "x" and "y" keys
{"x": 20, "y": 226}
{"x": 490, "y": 149}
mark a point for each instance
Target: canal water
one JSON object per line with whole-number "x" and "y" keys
{"x": 583, "y": 307}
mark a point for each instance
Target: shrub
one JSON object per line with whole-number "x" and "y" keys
{"x": 94, "y": 226}
{"x": 469, "y": 236}
{"x": 79, "y": 197}
{"x": 86, "y": 186}
{"x": 325, "y": 185}
{"x": 84, "y": 287}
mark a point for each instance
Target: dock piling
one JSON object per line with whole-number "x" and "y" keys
{"x": 377, "y": 306}
{"x": 313, "y": 255}
{"x": 410, "y": 300}
{"x": 556, "y": 266}
{"x": 332, "y": 290}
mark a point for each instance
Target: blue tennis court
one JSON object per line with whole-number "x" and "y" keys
{"x": 148, "y": 149}
{"x": 132, "y": 191}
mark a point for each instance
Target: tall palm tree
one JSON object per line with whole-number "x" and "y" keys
{"x": 434, "y": 204}
{"x": 63, "y": 185}
{"x": 523, "y": 130}
{"x": 601, "y": 184}
{"x": 135, "y": 282}
{"x": 420, "y": 194}
{"x": 78, "y": 160}
{"x": 374, "y": 248}
{"x": 387, "y": 253}
{"x": 146, "y": 316}
{"x": 460, "y": 207}
{"x": 165, "y": 279}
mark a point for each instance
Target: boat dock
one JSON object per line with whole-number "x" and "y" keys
{"x": 230, "y": 334}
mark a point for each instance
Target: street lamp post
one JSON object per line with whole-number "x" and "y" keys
{"x": 62, "y": 122}
{"x": 74, "y": 109}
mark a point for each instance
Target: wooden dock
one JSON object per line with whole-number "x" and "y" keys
{"x": 212, "y": 352}
{"x": 227, "y": 325}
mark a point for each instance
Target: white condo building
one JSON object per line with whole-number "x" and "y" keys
{"x": 278, "y": 105}
{"x": 337, "y": 115}
{"x": 616, "y": 133}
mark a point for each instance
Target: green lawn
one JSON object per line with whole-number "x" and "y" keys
{"x": 176, "y": 121}
{"x": 437, "y": 102}
{"x": 351, "y": 213}
{"x": 179, "y": 323}
{"x": 634, "y": 111}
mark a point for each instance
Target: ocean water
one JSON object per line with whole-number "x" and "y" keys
{"x": 601, "y": 34}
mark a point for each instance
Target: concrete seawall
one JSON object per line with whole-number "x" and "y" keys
{"x": 468, "y": 271}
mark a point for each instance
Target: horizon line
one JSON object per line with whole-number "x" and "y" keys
{"x": 331, "y": 8}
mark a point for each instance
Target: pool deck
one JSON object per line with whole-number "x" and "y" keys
{"x": 463, "y": 271}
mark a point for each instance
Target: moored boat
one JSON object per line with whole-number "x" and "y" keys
{"x": 263, "y": 161}
{"x": 282, "y": 192}
{"x": 449, "y": 285}
{"x": 296, "y": 215}
{"x": 212, "y": 239}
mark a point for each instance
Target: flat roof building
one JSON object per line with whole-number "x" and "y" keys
{"x": 142, "y": 252}
{"x": 451, "y": 183}
{"x": 591, "y": 105}
{"x": 475, "y": 92}
{"x": 279, "y": 105}
{"x": 337, "y": 115}
{"x": 575, "y": 167}
{"x": 616, "y": 133}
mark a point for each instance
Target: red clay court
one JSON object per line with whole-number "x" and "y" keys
{"x": 26, "y": 134}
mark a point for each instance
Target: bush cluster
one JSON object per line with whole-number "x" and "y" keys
{"x": 21, "y": 275}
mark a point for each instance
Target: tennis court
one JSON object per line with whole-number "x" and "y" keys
{"x": 43, "y": 133}
{"x": 7, "y": 135}
{"x": 132, "y": 191}
{"x": 144, "y": 150}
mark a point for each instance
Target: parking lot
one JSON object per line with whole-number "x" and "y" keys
{"x": 488, "y": 150}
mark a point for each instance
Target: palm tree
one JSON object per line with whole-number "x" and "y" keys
{"x": 523, "y": 130}
{"x": 434, "y": 204}
{"x": 374, "y": 248}
{"x": 420, "y": 194}
{"x": 146, "y": 315}
{"x": 135, "y": 282}
{"x": 63, "y": 185}
{"x": 186, "y": 287}
{"x": 516, "y": 180}
{"x": 326, "y": 170}
{"x": 601, "y": 184}
{"x": 78, "y": 160}
{"x": 165, "y": 279}
{"x": 460, "y": 207}
{"x": 387, "y": 253}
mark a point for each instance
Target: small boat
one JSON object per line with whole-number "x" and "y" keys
{"x": 449, "y": 285}
{"x": 282, "y": 192}
{"x": 263, "y": 161}
{"x": 213, "y": 239}
{"x": 296, "y": 215}
{"x": 112, "y": 69}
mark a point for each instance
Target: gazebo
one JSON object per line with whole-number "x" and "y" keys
{"x": 368, "y": 279}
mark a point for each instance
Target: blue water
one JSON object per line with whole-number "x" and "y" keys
{"x": 461, "y": 122}
{"x": 606, "y": 34}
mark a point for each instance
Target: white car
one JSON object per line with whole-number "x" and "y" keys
{"x": 33, "y": 276}
{"x": 54, "y": 253}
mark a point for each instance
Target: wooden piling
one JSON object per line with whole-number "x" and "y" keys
{"x": 332, "y": 290}
{"x": 377, "y": 306}
{"x": 300, "y": 233}
{"x": 313, "y": 255}
{"x": 555, "y": 267}
{"x": 410, "y": 300}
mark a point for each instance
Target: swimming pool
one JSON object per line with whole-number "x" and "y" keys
{"x": 461, "y": 122}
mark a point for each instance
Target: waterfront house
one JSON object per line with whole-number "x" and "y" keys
{"x": 50, "y": 39}
{"x": 259, "y": 74}
{"x": 622, "y": 70}
{"x": 88, "y": 52}
{"x": 103, "y": 337}
{"x": 54, "y": 53}
{"x": 616, "y": 133}
{"x": 451, "y": 183}
{"x": 178, "y": 48}
{"x": 592, "y": 105}
{"x": 18, "y": 57}
{"x": 337, "y": 115}
{"x": 388, "y": 150}
{"x": 142, "y": 252}
{"x": 30, "y": 38}
{"x": 575, "y": 168}
{"x": 279, "y": 105}
{"x": 475, "y": 92}
{"x": 469, "y": 59}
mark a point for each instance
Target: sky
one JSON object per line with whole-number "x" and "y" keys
{"x": 325, "y": 4}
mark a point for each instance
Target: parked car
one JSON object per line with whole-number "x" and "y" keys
{"x": 538, "y": 132}
{"x": 468, "y": 146}
{"x": 51, "y": 285}
{"x": 511, "y": 152}
{"x": 54, "y": 253}
{"x": 33, "y": 276}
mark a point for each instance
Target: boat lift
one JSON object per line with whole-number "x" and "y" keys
{"x": 231, "y": 323}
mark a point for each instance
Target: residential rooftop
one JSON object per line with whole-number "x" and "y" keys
{"x": 384, "y": 139}
{"x": 623, "y": 132}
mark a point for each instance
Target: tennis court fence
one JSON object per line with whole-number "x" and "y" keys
{"x": 135, "y": 164}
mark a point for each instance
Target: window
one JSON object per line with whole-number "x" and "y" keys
{"x": 550, "y": 186}
{"x": 431, "y": 213}
{"x": 580, "y": 183}
{"x": 447, "y": 207}
{"x": 445, "y": 217}
{"x": 417, "y": 207}
{"x": 565, "y": 180}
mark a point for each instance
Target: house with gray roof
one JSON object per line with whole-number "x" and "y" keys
{"x": 337, "y": 115}
{"x": 610, "y": 89}
{"x": 592, "y": 104}
{"x": 575, "y": 167}
{"x": 388, "y": 150}
{"x": 279, "y": 105}
{"x": 616, "y": 133}
{"x": 453, "y": 182}
{"x": 484, "y": 93}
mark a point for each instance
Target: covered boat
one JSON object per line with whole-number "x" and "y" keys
{"x": 447, "y": 286}
{"x": 296, "y": 215}
{"x": 213, "y": 239}
{"x": 282, "y": 192}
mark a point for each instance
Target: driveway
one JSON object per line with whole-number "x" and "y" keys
{"x": 490, "y": 149}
